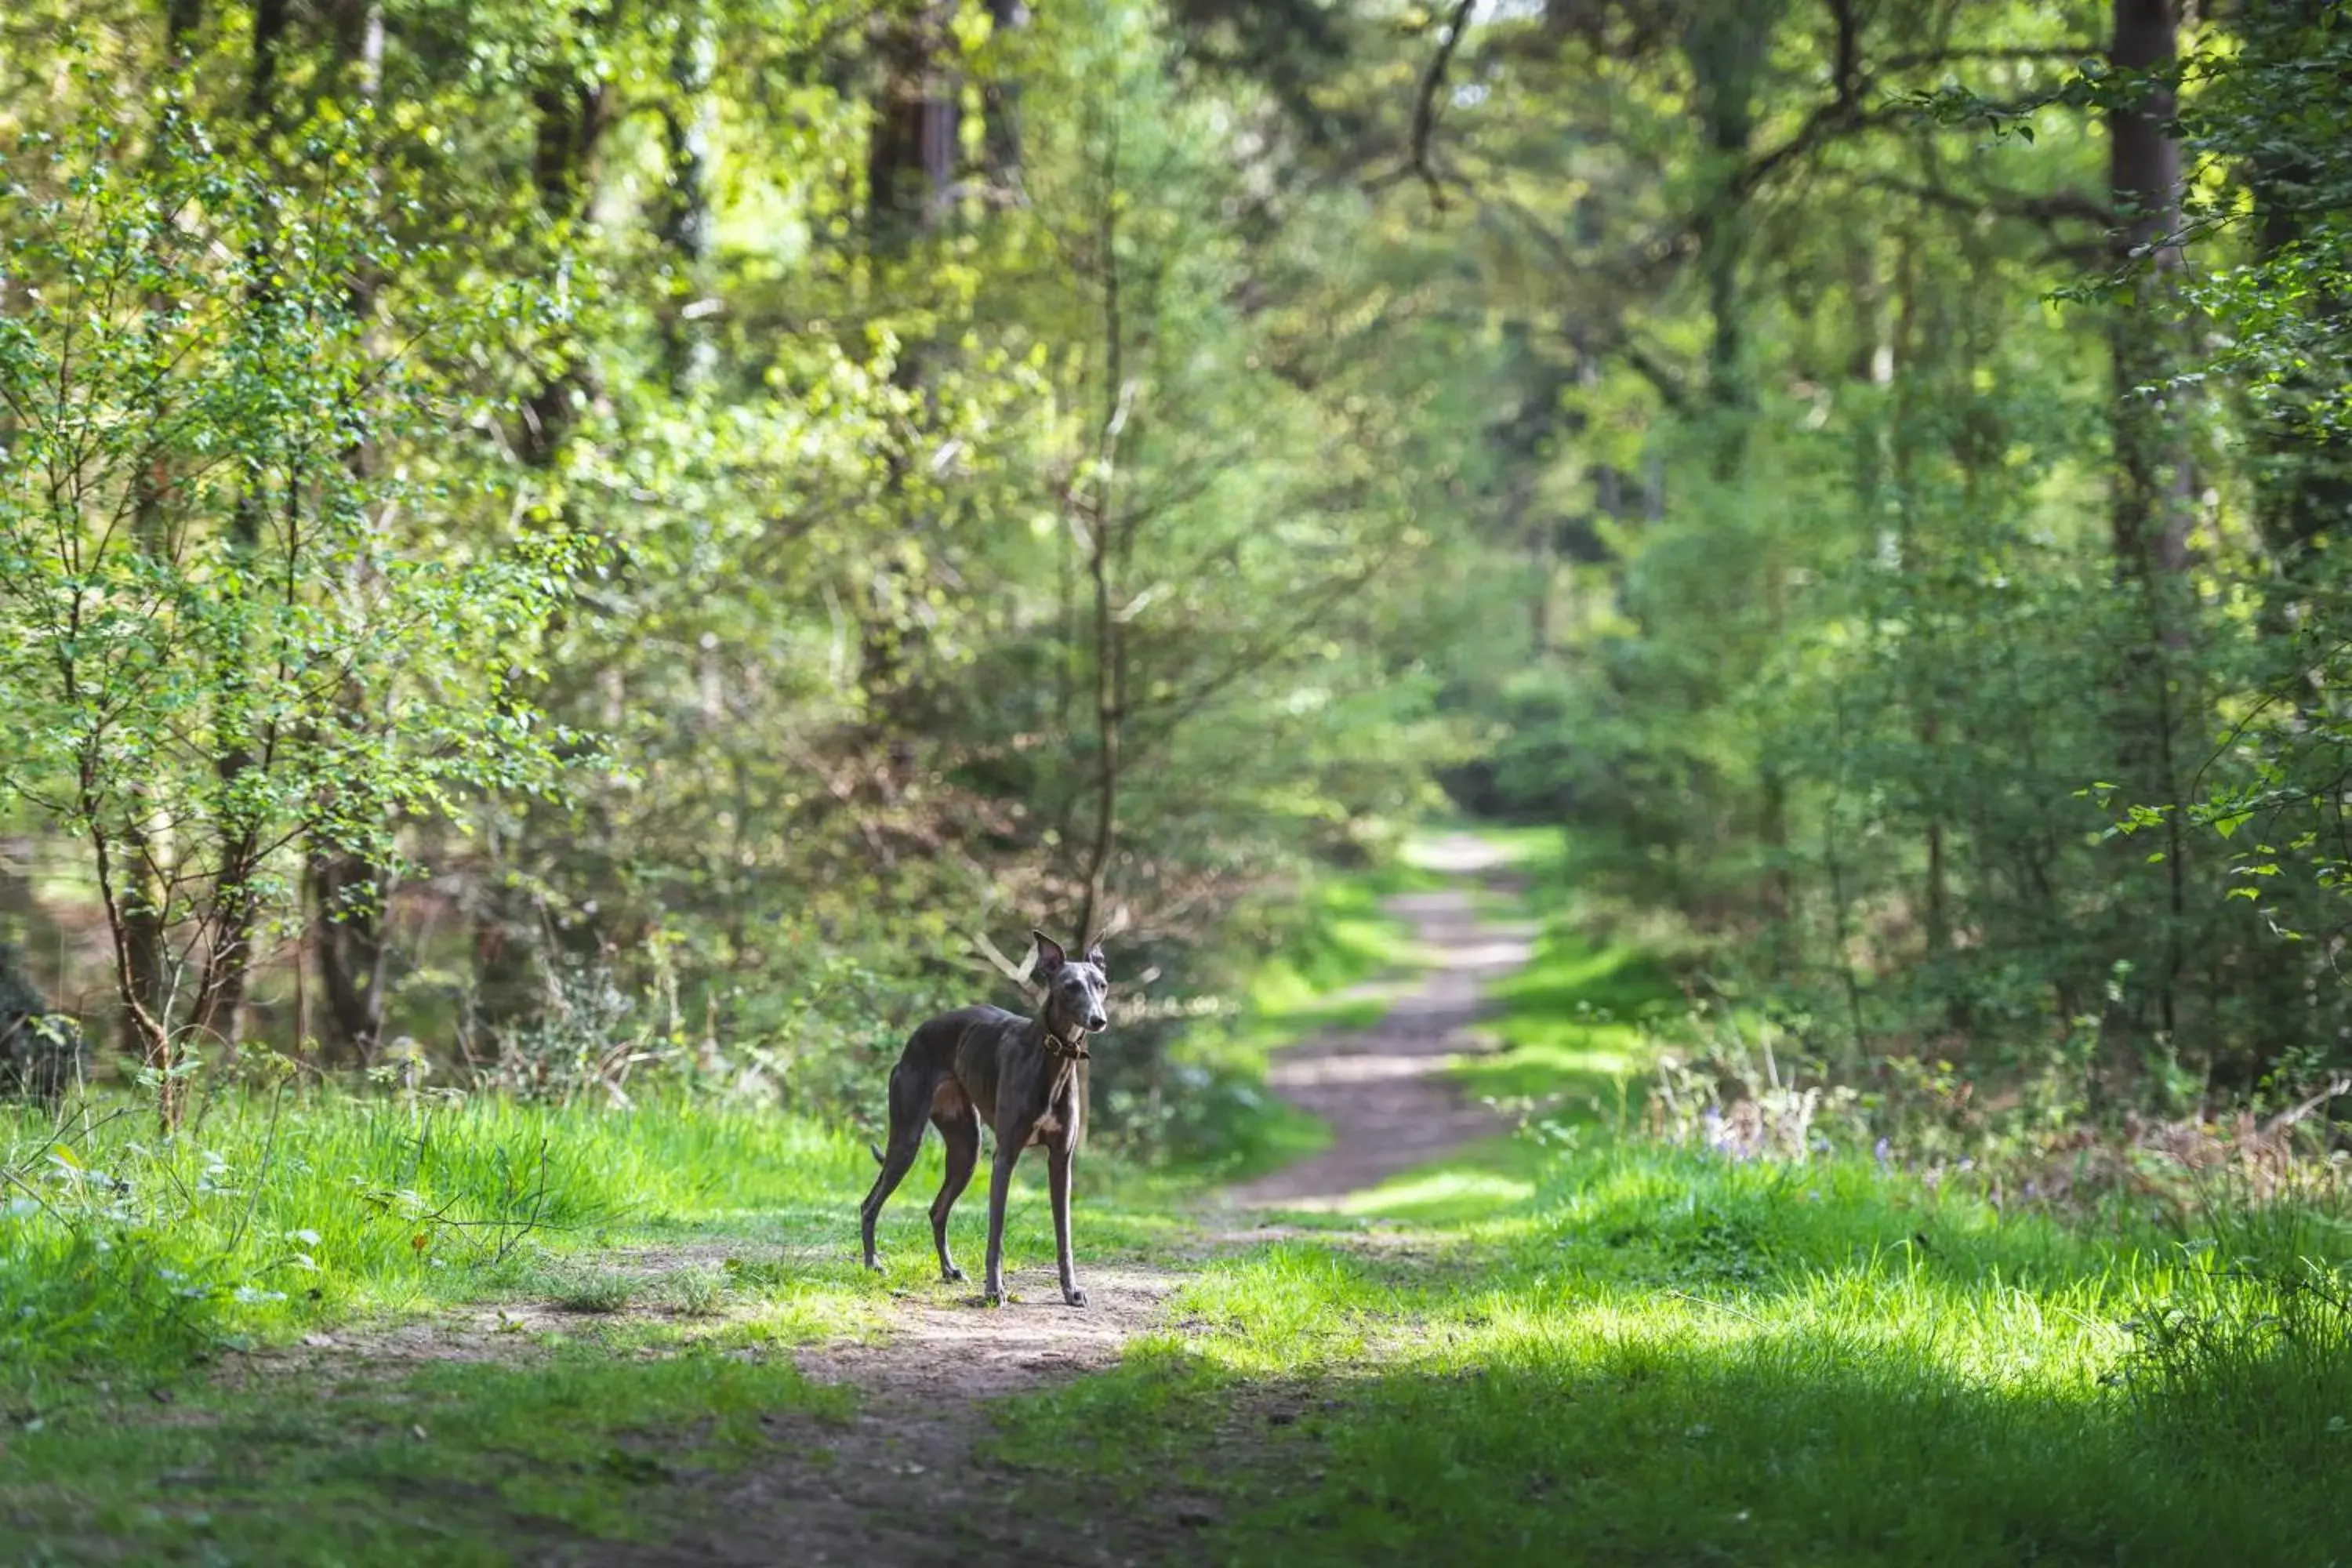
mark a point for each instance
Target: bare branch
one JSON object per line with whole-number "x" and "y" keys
{"x": 1420, "y": 161}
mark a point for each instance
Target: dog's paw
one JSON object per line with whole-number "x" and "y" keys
{"x": 1074, "y": 1297}
{"x": 992, "y": 1297}
{"x": 874, "y": 1264}
{"x": 952, "y": 1275}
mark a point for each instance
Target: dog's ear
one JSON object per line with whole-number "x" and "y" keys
{"x": 1095, "y": 957}
{"x": 1050, "y": 957}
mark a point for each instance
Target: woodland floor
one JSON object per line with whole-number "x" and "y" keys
{"x": 718, "y": 1383}
{"x": 1423, "y": 1342}
{"x": 906, "y": 1478}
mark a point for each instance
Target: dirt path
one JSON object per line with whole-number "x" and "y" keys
{"x": 904, "y": 1480}
{"x": 1380, "y": 1089}
{"x": 899, "y": 1482}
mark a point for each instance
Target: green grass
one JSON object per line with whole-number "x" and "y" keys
{"x": 447, "y": 1463}
{"x": 1573, "y": 1025}
{"x": 130, "y": 1255}
{"x": 669, "y": 1240}
{"x": 1341, "y": 938}
{"x": 1561, "y": 1345}
{"x": 1568, "y": 1345}
{"x": 1570, "y": 1027}
{"x": 272, "y": 1217}
{"x": 665, "y": 1242}
{"x": 1664, "y": 1358}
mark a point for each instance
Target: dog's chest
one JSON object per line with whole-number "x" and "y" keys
{"x": 1060, "y": 1115}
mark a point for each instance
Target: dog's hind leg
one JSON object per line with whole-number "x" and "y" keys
{"x": 910, "y": 1095}
{"x": 959, "y": 1124}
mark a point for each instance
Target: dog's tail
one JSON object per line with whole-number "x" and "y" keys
{"x": 875, "y": 1151}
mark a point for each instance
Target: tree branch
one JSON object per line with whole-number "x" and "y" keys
{"x": 2024, "y": 55}
{"x": 1424, "y": 109}
{"x": 2059, "y": 207}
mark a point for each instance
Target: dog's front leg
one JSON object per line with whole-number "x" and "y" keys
{"x": 1058, "y": 1159}
{"x": 999, "y": 1186}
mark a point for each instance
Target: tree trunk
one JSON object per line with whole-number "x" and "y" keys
{"x": 910, "y": 158}
{"x": 1001, "y": 101}
{"x": 219, "y": 1007}
{"x": 2152, "y": 484}
{"x": 570, "y": 115}
{"x": 910, "y": 169}
{"x": 1103, "y": 556}
{"x": 1725, "y": 45}
{"x": 2152, "y": 473}
{"x": 352, "y": 897}
{"x": 352, "y": 892}
{"x": 682, "y": 208}
{"x": 144, "y": 905}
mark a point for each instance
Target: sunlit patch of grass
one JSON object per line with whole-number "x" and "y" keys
{"x": 1573, "y": 1027}
{"x": 273, "y": 1221}
{"x": 1343, "y": 938}
{"x": 271, "y": 1217}
{"x": 1663, "y": 1357}
{"x": 1528, "y": 851}
{"x": 1451, "y": 1194}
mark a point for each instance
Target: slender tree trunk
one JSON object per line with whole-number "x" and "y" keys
{"x": 2152, "y": 482}
{"x": 1725, "y": 45}
{"x": 682, "y": 210}
{"x": 910, "y": 169}
{"x": 148, "y": 1029}
{"x": 1104, "y": 555}
{"x": 219, "y": 1011}
{"x": 571, "y": 114}
{"x": 145, "y": 902}
{"x": 2151, "y": 514}
{"x": 351, "y": 890}
{"x": 1001, "y": 99}
{"x": 910, "y": 158}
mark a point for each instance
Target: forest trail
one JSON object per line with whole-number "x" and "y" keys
{"x": 908, "y": 1480}
{"x": 1380, "y": 1089}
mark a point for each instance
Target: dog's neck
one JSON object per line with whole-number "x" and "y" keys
{"x": 1068, "y": 1045}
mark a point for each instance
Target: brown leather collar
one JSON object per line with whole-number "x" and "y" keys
{"x": 1068, "y": 1051}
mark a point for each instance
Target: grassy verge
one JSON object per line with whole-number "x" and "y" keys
{"x": 1667, "y": 1358}
{"x": 529, "y": 1320}
{"x": 1575, "y": 1346}
{"x": 1571, "y": 1026}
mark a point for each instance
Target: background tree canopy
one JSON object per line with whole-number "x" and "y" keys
{"x": 539, "y": 538}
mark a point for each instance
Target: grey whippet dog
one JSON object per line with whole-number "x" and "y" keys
{"x": 1023, "y": 1074}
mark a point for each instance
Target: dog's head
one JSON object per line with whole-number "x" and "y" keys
{"x": 1078, "y": 991}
